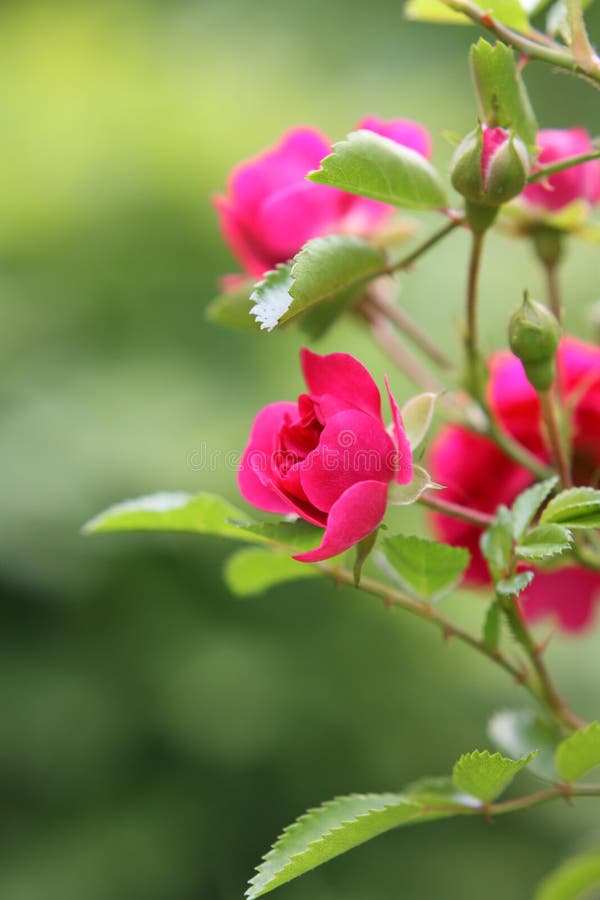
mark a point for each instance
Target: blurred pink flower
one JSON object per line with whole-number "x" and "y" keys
{"x": 327, "y": 457}
{"x": 582, "y": 182}
{"x": 271, "y": 210}
{"x": 478, "y": 474}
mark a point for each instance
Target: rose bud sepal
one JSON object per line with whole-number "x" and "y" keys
{"x": 548, "y": 243}
{"x": 534, "y": 335}
{"x": 490, "y": 167}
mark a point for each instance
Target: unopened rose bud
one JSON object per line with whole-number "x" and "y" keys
{"x": 534, "y": 335}
{"x": 490, "y": 166}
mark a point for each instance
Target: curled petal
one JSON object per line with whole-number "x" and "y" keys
{"x": 341, "y": 377}
{"x": 353, "y": 447}
{"x": 256, "y": 468}
{"x": 404, "y": 470}
{"x": 356, "y": 514}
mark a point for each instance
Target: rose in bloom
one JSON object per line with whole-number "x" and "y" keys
{"x": 271, "y": 210}
{"x": 582, "y": 182}
{"x": 327, "y": 457}
{"x": 477, "y": 473}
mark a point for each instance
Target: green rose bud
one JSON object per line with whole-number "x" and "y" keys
{"x": 490, "y": 166}
{"x": 534, "y": 335}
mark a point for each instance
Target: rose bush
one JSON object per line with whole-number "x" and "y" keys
{"x": 327, "y": 457}
{"x": 580, "y": 182}
{"x": 271, "y": 210}
{"x": 477, "y": 473}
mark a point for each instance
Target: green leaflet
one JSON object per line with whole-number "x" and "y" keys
{"x": 331, "y": 268}
{"x": 520, "y": 732}
{"x": 575, "y": 508}
{"x": 579, "y": 753}
{"x": 573, "y": 879}
{"x": 198, "y": 513}
{"x": 337, "y": 826}
{"x": 528, "y": 503}
{"x": 500, "y": 90}
{"x": 253, "y": 570}
{"x": 426, "y": 568}
{"x": 373, "y": 166}
{"x": 486, "y": 775}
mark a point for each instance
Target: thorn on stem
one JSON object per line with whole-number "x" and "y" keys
{"x": 448, "y": 633}
{"x": 486, "y": 811}
{"x": 567, "y": 792}
{"x": 486, "y": 20}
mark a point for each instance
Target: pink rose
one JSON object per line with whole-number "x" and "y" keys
{"x": 478, "y": 474}
{"x": 327, "y": 457}
{"x": 579, "y": 183}
{"x": 271, "y": 211}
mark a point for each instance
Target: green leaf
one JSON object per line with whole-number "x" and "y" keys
{"x": 579, "y": 753}
{"x": 510, "y": 12}
{"x": 417, "y": 415}
{"x": 335, "y": 827}
{"x": 439, "y": 792}
{"x": 512, "y": 587}
{"x": 433, "y": 11}
{"x": 485, "y": 775}
{"x": 293, "y": 536}
{"x": 373, "y": 166}
{"x": 232, "y": 308}
{"x": 527, "y": 504}
{"x": 491, "y": 627}
{"x": 519, "y": 732}
{"x": 198, "y": 513}
{"x": 573, "y": 879}
{"x": 574, "y": 508}
{"x": 426, "y": 568}
{"x": 405, "y": 494}
{"x": 500, "y": 90}
{"x": 317, "y": 320}
{"x": 253, "y": 570}
{"x": 331, "y": 268}
{"x": 271, "y": 296}
{"x": 496, "y": 543}
{"x": 545, "y": 542}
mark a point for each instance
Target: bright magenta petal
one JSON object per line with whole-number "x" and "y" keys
{"x": 356, "y": 514}
{"x": 256, "y": 467}
{"x": 402, "y": 131}
{"x": 343, "y": 377}
{"x": 404, "y": 462}
{"x": 568, "y": 596}
{"x": 353, "y": 447}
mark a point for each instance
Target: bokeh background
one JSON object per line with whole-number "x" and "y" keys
{"x": 156, "y": 733}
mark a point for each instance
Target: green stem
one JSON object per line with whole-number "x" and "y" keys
{"x": 557, "y": 446}
{"x": 548, "y": 692}
{"x": 582, "y": 49}
{"x": 555, "y": 55}
{"x": 551, "y": 269}
{"x": 473, "y": 355}
{"x": 428, "y": 613}
{"x": 387, "y": 338}
{"x": 516, "y": 451}
{"x": 456, "y": 221}
{"x": 408, "y": 327}
{"x": 546, "y": 171}
{"x": 456, "y": 510}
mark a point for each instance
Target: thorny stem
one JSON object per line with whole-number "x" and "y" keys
{"x": 551, "y": 269}
{"x": 388, "y": 340}
{"x": 555, "y": 55}
{"x": 456, "y": 510}
{"x": 540, "y": 687}
{"x": 581, "y": 47}
{"x": 553, "y": 168}
{"x": 456, "y": 220}
{"x": 548, "y": 691}
{"x": 548, "y": 404}
{"x": 380, "y": 299}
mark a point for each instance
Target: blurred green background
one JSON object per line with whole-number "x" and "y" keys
{"x": 156, "y": 734}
